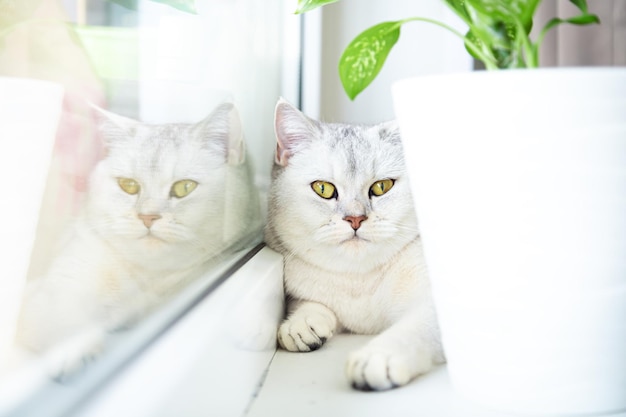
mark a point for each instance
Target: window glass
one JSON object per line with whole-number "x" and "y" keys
{"x": 137, "y": 138}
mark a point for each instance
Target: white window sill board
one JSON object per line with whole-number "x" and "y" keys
{"x": 220, "y": 360}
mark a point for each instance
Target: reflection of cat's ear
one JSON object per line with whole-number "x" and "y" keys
{"x": 113, "y": 126}
{"x": 224, "y": 125}
{"x": 293, "y": 129}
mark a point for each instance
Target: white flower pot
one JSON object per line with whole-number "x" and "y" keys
{"x": 519, "y": 181}
{"x": 29, "y": 114}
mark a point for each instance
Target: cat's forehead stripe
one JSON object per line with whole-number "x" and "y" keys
{"x": 166, "y": 151}
{"x": 357, "y": 150}
{"x": 173, "y": 134}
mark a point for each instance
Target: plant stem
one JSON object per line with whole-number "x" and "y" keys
{"x": 530, "y": 56}
{"x": 490, "y": 62}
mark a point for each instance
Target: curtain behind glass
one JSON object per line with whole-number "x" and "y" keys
{"x": 593, "y": 45}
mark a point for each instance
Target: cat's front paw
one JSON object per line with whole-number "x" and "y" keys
{"x": 370, "y": 369}
{"x": 70, "y": 357}
{"x": 305, "y": 333}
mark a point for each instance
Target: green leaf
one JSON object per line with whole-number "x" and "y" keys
{"x": 509, "y": 11}
{"x": 476, "y": 42}
{"x": 584, "y": 19}
{"x": 458, "y": 6}
{"x": 188, "y": 6}
{"x": 129, "y": 4}
{"x": 501, "y": 17}
{"x": 364, "y": 57}
{"x": 587, "y": 19}
{"x": 308, "y": 5}
{"x": 500, "y": 29}
{"x": 581, "y": 4}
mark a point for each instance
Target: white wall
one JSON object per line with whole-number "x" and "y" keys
{"x": 422, "y": 49}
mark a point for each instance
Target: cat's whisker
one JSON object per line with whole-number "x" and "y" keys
{"x": 329, "y": 234}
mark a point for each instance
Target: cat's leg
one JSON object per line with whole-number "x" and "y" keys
{"x": 409, "y": 348}
{"x": 53, "y": 325}
{"x": 307, "y": 327}
{"x": 72, "y": 355}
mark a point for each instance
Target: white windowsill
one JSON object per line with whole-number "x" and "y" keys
{"x": 313, "y": 384}
{"x": 211, "y": 361}
{"x": 220, "y": 360}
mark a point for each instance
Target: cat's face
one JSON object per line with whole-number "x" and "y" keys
{"x": 340, "y": 196}
{"x": 160, "y": 189}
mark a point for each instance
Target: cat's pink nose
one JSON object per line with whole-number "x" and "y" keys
{"x": 148, "y": 219}
{"x": 355, "y": 221}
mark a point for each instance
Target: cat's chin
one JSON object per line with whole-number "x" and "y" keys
{"x": 152, "y": 239}
{"x": 355, "y": 241}
{"x": 355, "y": 254}
{"x": 359, "y": 254}
{"x": 149, "y": 244}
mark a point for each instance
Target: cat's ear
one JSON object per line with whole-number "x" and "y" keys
{"x": 113, "y": 126}
{"x": 389, "y": 131}
{"x": 293, "y": 129}
{"x": 223, "y": 127}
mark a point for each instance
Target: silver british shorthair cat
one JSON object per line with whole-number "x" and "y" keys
{"x": 165, "y": 200}
{"x": 341, "y": 213}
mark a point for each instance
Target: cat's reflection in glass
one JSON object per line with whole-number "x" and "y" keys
{"x": 164, "y": 200}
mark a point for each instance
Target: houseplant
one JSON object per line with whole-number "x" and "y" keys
{"x": 498, "y": 35}
{"x": 113, "y": 51}
{"x": 519, "y": 180}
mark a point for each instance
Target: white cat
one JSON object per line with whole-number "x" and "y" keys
{"x": 341, "y": 213}
{"x": 165, "y": 200}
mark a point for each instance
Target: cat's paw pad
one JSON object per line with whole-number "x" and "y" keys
{"x": 377, "y": 370}
{"x": 304, "y": 334}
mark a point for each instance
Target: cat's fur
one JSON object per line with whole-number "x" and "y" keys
{"x": 117, "y": 267}
{"x": 371, "y": 280}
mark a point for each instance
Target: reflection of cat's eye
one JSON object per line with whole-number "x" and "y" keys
{"x": 129, "y": 185}
{"x": 324, "y": 189}
{"x": 381, "y": 187}
{"x": 183, "y": 188}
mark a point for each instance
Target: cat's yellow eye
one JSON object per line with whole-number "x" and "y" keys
{"x": 381, "y": 187}
{"x": 129, "y": 185}
{"x": 324, "y": 189}
{"x": 183, "y": 188}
